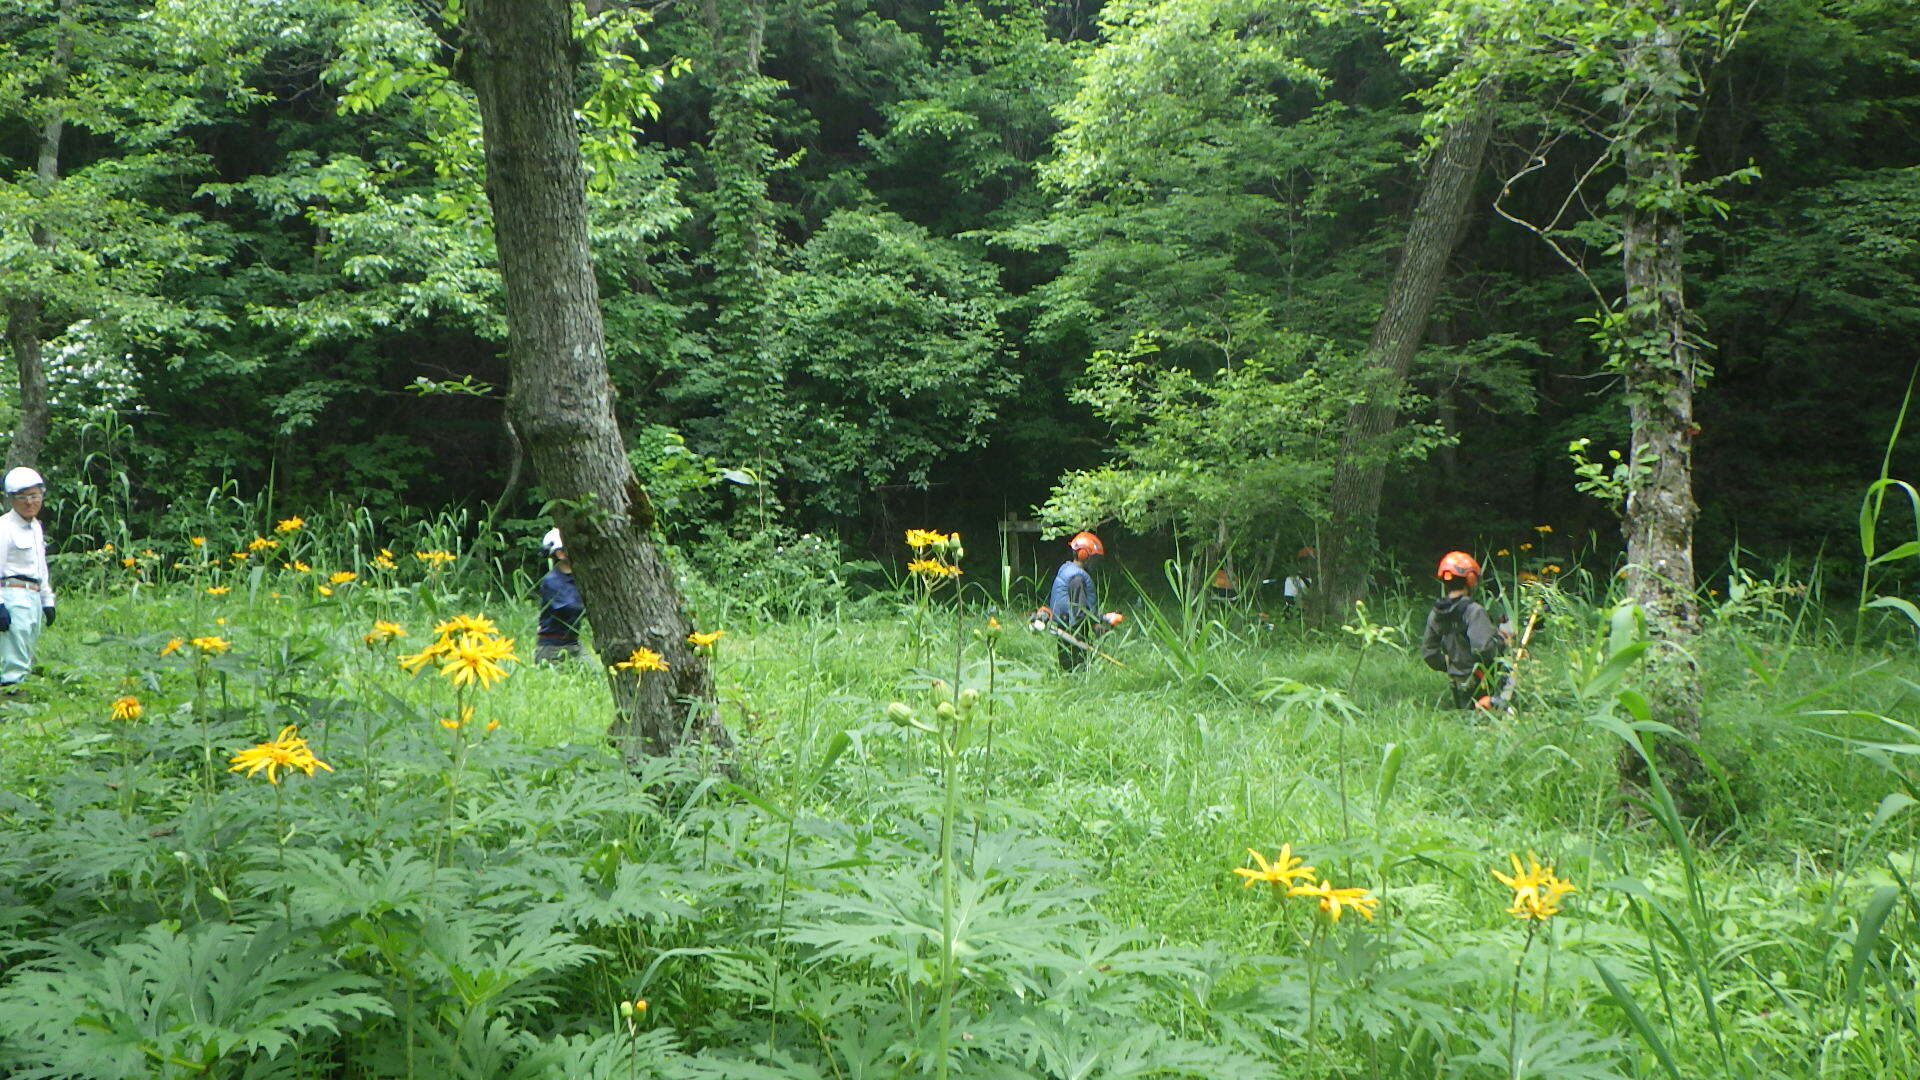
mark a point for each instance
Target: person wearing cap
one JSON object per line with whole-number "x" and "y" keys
{"x": 1072, "y": 602}
{"x": 26, "y": 593}
{"x": 1461, "y": 639}
{"x": 561, "y": 607}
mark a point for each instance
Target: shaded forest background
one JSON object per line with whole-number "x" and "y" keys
{"x": 880, "y": 263}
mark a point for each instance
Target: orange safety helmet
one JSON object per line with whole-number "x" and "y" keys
{"x": 1458, "y": 564}
{"x": 1085, "y": 543}
{"x": 1307, "y": 553}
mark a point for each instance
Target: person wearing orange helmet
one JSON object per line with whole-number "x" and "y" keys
{"x": 1461, "y": 638}
{"x": 1073, "y": 604}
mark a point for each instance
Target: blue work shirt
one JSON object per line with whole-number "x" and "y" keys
{"x": 561, "y": 607}
{"x": 1072, "y": 599}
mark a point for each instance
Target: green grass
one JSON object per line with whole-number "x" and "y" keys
{"x": 1154, "y": 778}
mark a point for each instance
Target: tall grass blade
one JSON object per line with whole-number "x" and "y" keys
{"x": 1635, "y": 1016}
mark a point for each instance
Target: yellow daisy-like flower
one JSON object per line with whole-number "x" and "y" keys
{"x": 456, "y": 723}
{"x": 642, "y": 660}
{"x": 385, "y": 554}
{"x": 341, "y": 577}
{"x": 1526, "y": 547}
{"x": 127, "y": 708}
{"x": 1333, "y": 901}
{"x": 197, "y": 541}
{"x": 219, "y": 590}
{"x": 1502, "y": 553}
{"x": 1283, "y": 870}
{"x": 286, "y": 751}
{"x": 434, "y": 558}
{"x": 476, "y": 658}
{"x": 466, "y": 624}
{"x": 924, "y": 538}
{"x": 241, "y": 556}
{"x": 129, "y": 562}
{"x": 383, "y": 561}
{"x": 323, "y": 590}
{"x": 1543, "y": 529}
{"x": 1536, "y": 891}
{"x": 261, "y": 543}
{"x": 292, "y": 524}
{"x": 174, "y": 645}
{"x": 1550, "y": 568}
{"x": 107, "y": 548}
{"x": 221, "y": 621}
{"x": 415, "y": 662}
{"x": 707, "y": 639}
{"x": 210, "y": 645}
{"x": 382, "y": 632}
{"x": 932, "y": 568}
{"x": 298, "y": 567}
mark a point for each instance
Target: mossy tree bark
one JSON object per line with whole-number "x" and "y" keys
{"x": 520, "y": 63}
{"x": 1661, "y": 362}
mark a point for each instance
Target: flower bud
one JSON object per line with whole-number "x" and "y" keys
{"x": 899, "y": 713}
{"x": 944, "y": 710}
{"x": 942, "y": 691}
{"x": 969, "y": 698}
{"x": 626, "y": 1009}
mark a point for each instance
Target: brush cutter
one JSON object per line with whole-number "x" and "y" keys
{"x": 1502, "y": 699}
{"x": 1043, "y": 622}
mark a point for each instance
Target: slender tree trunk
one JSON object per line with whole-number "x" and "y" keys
{"x": 1439, "y": 218}
{"x": 26, "y": 314}
{"x": 561, "y": 400}
{"x": 1660, "y": 363}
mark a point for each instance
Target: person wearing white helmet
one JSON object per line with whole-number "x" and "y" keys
{"x": 561, "y": 607}
{"x": 26, "y": 594}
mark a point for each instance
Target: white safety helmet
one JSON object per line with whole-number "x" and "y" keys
{"x": 549, "y": 543}
{"x": 21, "y": 478}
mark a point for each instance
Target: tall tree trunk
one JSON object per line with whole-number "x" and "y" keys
{"x": 26, "y": 314}
{"x": 1439, "y": 218}
{"x": 1660, "y": 363}
{"x": 561, "y": 399}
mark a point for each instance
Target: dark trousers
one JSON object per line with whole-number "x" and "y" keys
{"x": 1072, "y": 656}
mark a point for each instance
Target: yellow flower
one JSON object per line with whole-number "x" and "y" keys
{"x": 127, "y": 708}
{"x": 466, "y": 624}
{"x": 323, "y": 590}
{"x": 107, "y": 548}
{"x": 643, "y": 659}
{"x": 1502, "y": 553}
{"x": 1333, "y": 901}
{"x": 1536, "y": 891}
{"x": 341, "y": 577}
{"x": 383, "y": 561}
{"x": 173, "y": 646}
{"x": 1543, "y": 529}
{"x": 413, "y": 663}
{"x": 219, "y": 590}
{"x": 298, "y": 567}
{"x": 385, "y": 554}
{"x": 434, "y": 558}
{"x": 241, "y": 556}
{"x": 707, "y": 639}
{"x": 261, "y": 543}
{"x": 197, "y": 541}
{"x": 932, "y": 568}
{"x": 292, "y": 524}
{"x": 129, "y": 562}
{"x": 221, "y": 621}
{"x": 286, "y": 751}
{"x": 210, "y": 644}
{"x": 493, "y": 723}
{"x": 452, "y": 724}
{"x": 382, "y": 632}
{"x": 1283, "y": 870}
{"x": 1526, "y": 547}
{"x": 1550, "y": 568}
{"x": 1528, "y": 576}
{"x": 924, "y": 538}
{"x": 476, "y": 658}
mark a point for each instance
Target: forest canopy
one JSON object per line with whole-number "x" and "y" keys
{"x": 862, "y": 259}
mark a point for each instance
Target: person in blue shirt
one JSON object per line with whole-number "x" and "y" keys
{"x": 561, "y": 608}
{"x": 1073, "y": 604}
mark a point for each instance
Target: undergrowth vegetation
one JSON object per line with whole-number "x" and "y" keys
{"x": 244, "y": 839}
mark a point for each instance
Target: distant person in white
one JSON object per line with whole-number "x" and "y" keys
{"x": 26, "y": 596}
